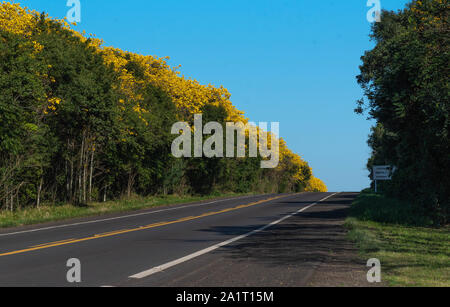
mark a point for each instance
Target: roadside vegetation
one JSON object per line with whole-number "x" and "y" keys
{"x": 412, "y": 252}
{"x": 406, "y": 85}
{"x": 82, "y": 123}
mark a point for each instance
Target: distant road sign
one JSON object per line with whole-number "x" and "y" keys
{"x": 382, "y": 172}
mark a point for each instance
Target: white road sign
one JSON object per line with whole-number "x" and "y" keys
{"x": 382, "y": 172}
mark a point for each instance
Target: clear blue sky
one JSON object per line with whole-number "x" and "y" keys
{"x": 292, "y": 61}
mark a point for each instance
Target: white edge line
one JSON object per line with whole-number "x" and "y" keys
{"x": 124, "y": 216}
{"x": 214, "y": 247}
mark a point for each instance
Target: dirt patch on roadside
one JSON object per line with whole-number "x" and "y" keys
{"x": 341, "y": 266}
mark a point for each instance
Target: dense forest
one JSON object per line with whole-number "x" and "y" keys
{"x": 81, "y": 122}
{"x": 406, "y": 82}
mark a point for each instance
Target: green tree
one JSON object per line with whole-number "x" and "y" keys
{"x": 25, "y": 140}
{"x": 82, "y": 110}
{"x": 405, "y": 79}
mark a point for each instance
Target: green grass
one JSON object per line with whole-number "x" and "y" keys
{"x": 412, "y": 253}
{"x": 49, "y": 213}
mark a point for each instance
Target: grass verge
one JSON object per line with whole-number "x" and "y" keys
{"x": 411, "y": 252}
{"x": 47, "y": 213}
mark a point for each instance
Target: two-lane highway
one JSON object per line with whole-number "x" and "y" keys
{"x": 150, "y": 247}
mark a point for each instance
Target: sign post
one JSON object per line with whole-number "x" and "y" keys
{"x": 382, "y": 172}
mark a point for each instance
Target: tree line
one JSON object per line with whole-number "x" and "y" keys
{"x": 81, "y": 122}
{"x": 405, "y": 79}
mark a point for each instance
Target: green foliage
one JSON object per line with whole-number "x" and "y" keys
{"x": 398, "y": 234}
{"x": 80, "y": 123}
{"x": 378, "y": 208}
{"x": 405, "y": 79}
{"x": 26, "y": 143}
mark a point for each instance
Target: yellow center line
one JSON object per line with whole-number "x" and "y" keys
{"x": 118, "y": 232}
{"x": 62, "y": 241}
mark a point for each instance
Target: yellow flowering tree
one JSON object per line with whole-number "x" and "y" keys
{"x": 108, "y": 113}
{"x": 316, "y": 185}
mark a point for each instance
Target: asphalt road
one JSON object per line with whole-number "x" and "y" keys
{"x": 267, "y": 240}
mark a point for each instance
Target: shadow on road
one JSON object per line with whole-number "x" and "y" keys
{"x": 308, "y": 238}
{"x": 309, "y": 249}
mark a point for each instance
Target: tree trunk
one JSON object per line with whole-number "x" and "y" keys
{"x": 71, "y": 195}
{"x": 38, "y": 201}
{"x": 66, "y": 167}
{"x": 80, "y": 173}
{"x": 131, "y": 177}
{"x": 91, "y": 172}
{"x": 6, "y": 197}
{"x": 84, "y": 177}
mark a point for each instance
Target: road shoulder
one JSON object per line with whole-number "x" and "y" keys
{"x": 341, "y": 266}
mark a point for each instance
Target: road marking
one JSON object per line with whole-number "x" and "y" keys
{"x": 124, "y": 216}
{"x": 118, "y": 232}
{"x": 53, "y": 242}
{"x": 168, "y": 265}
